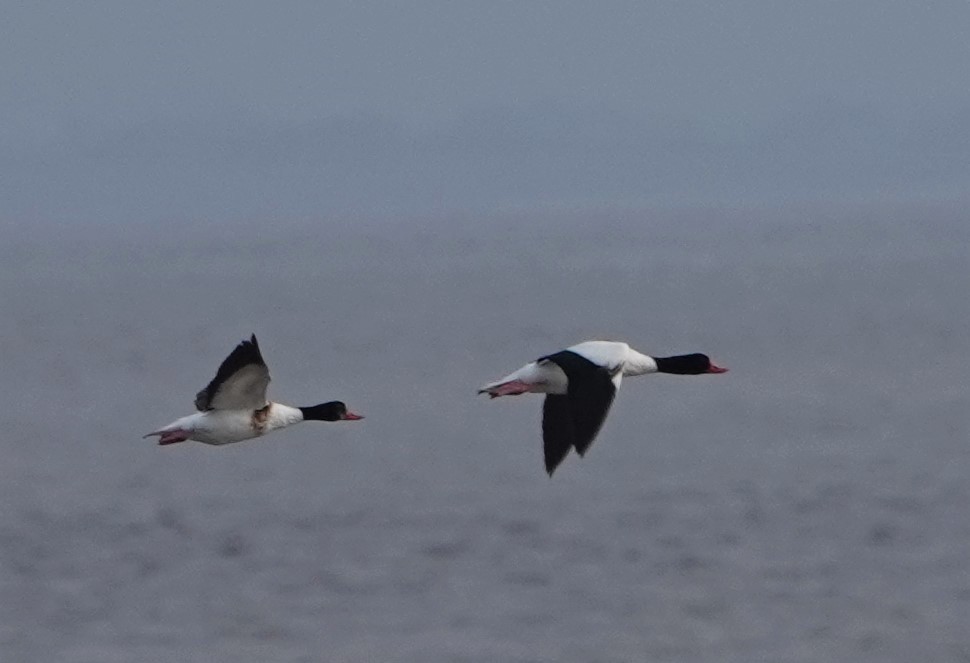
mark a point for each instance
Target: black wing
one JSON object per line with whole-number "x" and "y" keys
{"x": 240, "y": 383}
{"x": 558, "y": 435}
{"x": 589, "y": 395}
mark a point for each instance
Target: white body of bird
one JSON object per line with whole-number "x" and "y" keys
{"x": 225, "y": 426}
{"x": 546, "y": 377}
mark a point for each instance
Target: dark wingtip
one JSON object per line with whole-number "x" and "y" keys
{"x": 551, "y": 468}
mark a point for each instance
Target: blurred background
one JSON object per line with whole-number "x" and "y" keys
{"x": 406, "y": 201}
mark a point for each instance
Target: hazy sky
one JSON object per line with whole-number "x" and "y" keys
{"x": 157, "y": 110}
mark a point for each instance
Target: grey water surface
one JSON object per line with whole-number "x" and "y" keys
{"x": 811, "y": 505}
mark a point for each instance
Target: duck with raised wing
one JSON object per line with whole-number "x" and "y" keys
{"x": 233, "y": 407}
{"x": 580, "y": 383}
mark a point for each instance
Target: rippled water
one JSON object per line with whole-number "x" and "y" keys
{"x": 811, "y": 505}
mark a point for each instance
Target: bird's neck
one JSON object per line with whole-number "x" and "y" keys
{"x": 281, "y": 416}
{"x": 638, "y": 364}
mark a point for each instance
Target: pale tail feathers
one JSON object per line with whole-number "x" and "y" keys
{"x": 172, "y": 436}
{"x": 510, "y": 388}
{"x": 521, "y": 376}
{"x": 534, "y": 377}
